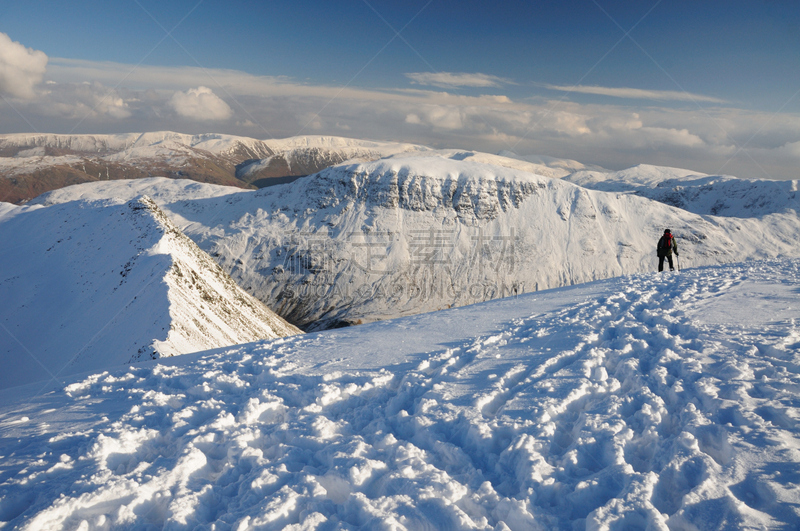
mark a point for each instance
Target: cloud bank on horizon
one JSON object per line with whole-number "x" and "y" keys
{"x": 609, "y": 124}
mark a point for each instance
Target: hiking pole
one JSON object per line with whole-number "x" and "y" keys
{"x": 678, "y": 262}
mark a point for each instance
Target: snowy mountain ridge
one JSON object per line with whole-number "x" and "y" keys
{"x": 86, "y": 143}
{"x": 715, "y": 195}
{"x": 409, "y": 234}
{"x": 91, "y": 284}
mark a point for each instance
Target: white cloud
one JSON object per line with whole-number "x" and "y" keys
{"x": 78, "y": 101}
{"x": 634, "y": 93}
{"x": 455, "y": 80}
{"x": 446, "y": 117}
{"x": 116, "y": 108}
{"x": 21, "y": 68}
{"x": 614, "y": 136}
{"x": 200, "y": 104}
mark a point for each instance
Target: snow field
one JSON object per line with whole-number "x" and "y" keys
{"x": 656, "y": 404}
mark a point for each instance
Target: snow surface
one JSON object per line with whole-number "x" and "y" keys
{"x": 91, "y": 284}
{"x": 642, "y": 402}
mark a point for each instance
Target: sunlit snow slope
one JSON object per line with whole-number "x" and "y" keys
{"x": 87, "y": 285}
{"x": 643, "y": 402}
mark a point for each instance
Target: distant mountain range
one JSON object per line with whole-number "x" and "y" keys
{"x": 709, "y": 195}
{"x": 31, "y": 164}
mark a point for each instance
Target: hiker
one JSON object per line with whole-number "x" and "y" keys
{"x": 666, "y": 245}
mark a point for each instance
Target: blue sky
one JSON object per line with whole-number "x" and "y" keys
{"x": 710, "y": 85}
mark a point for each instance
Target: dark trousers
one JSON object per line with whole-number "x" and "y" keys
{"x": 661, "y": 262}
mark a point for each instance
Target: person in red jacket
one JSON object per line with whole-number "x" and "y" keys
{"x": 666, "y": 246}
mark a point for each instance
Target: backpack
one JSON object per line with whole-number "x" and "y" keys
{"x": 664, "y": 247}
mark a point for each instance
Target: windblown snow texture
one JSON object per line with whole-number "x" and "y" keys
{"x": 643, "y": 402}
{"x": 86, "y": 285}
